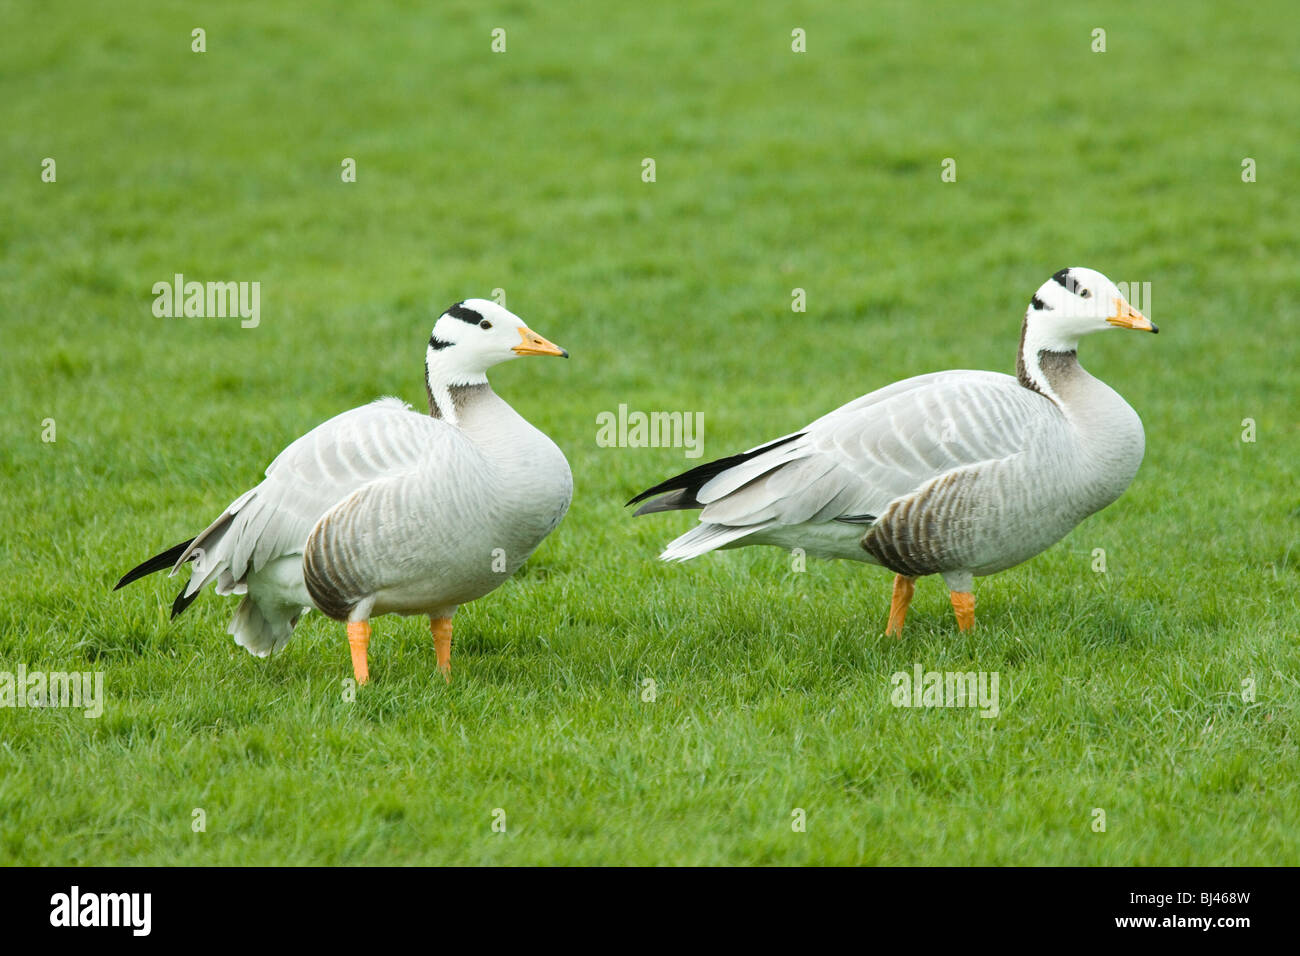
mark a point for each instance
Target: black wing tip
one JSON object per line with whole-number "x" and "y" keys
{"x": 182, "y": 602}
{"x": 651, "y": 492}
{"x": 691, "y": 481}
{"x": 670, "y": 484}
{"x": 669, "y": 502}
{"x": 160, "y": 561}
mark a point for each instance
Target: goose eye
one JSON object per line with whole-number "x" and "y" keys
{"x": 1085, "y": 293}
{"x": 485, "y": 324}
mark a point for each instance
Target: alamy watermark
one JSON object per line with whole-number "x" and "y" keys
{"x": 923, "y": 688}
{"x": 129, "y": 910}
{"x": 78, "y": 690}
{"x": 633, "y": 429}
{"x": 1087, "y": 305}
{"x": 208, "y": 300}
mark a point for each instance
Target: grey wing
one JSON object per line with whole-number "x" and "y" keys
{"x": 306, "y": 480}
{"x": 851, "y": 463}
{"x": 346, "y": 558}
{"x": 380, "y": 535}
{"x": 413, "y": 539}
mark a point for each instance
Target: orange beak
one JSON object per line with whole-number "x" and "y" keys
{"x": 534, "y": 344}
{"x": 1130, "y": 318}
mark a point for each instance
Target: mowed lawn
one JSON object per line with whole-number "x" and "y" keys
{"x": 1162, "y": 692}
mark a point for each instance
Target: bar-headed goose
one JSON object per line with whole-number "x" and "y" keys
{"x": 384, "y": 510}
{"x": 957, "y": 473}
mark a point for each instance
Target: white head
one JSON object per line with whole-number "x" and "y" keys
{"x": 474, "y": 335}
{"x": 1074, "y": 303}
{"x": 467, "y": 340}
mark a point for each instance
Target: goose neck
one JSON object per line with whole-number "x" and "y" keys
{"x": 1049, "y": 366}
{"x": 456, "y": 404}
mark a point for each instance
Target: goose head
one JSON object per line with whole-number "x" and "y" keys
{"x": 1076, "y": 302}
{"x": 474, "y": 335}
{"x": 1071, "y": 304}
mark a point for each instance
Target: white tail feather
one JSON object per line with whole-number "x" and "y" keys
{"x": 704, "y": 538}
{"x": 259, "y": 632}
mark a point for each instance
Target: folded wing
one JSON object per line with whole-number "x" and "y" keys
{"x": 374, "y": 443}
{"x": 850, "y": 464}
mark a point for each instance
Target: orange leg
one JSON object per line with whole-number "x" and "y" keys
{"x": 359, "y": 641}
{"x": 441, "y": 628}
{"x": 903, "y": 589}
{"x": 963, "y": 603}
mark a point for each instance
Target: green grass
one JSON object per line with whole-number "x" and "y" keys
{"x": 1120, "y": 691}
